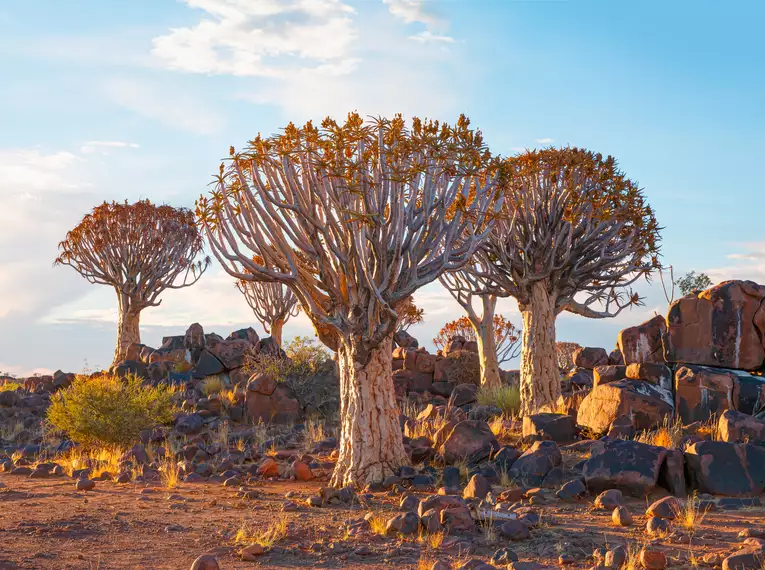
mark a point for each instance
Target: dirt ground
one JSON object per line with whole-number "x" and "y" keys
{"x": 46, "y": 524}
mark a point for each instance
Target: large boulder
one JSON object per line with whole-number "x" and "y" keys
{"x": 249, "y": 334}
{"x": 722, "y": 326}
{"x": 645, "y": 404}
{"x": 734, "y": 426}
{"x": 194, "y": 341}
{"x": 270, "y": 401}
{"x": 232, "y": 353}
{"x": 750, "y": 396}
{"x": 536, "y": 462}
{"x": 589, "y": 357}
{"x": 659, "y": 374}
{"x": 469, "y": 439}
{"x": 608, "y": 373}
{"x": 557, "y": 427}
{"x": 458, "y": 367}
{"x": 631, "y": 466}
{"x": 722, "y": 468}
{"x": 643, "y": 343}
{"x": 701, "y": 391}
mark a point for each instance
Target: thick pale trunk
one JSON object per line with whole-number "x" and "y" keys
{"x": 128, "y": 329}
{"x": 276, "y": 331}
{"x": 540, "y": 380}
{"x": 487, "y": 343}
{"x": 371, "y": 442}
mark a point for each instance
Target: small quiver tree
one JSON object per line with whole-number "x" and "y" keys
{"x": 576, "y": 235}
{"x": 272, "y": 302}
{"x": 354, "y": 218}
{"x": 409, "y": 314}
{"x": 139, "y": 249}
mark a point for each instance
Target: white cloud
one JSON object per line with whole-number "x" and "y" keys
{"x": 267, "y": 38}
{"x": 103, "y": 146}
{"x": 415, "y": 12}
{"x": 428, "y": 36}
{"x": 169, "y": 106}
{"x": 30, "y": 170}
{"x": 544, "y": 141}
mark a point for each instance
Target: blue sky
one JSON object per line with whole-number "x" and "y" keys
{"x": 121, "y": 100}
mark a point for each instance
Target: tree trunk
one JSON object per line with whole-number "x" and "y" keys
{"x": 276, "y": 331}
{"x": 128, "y": 327}
{"x": 371, "y": 442}
{"x": 487, "y": 346}
{"x": 540, "y": 379}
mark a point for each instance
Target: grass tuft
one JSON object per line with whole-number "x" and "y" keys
{"x": 506, "y": 398}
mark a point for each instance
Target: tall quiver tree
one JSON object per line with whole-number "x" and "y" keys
{"x": 354, "y": 218}
{"x": 272, "y": 302}
{"x": 576, "y": 235}
{"x": 139, "y": 249}
{"x": 493, "y": 335}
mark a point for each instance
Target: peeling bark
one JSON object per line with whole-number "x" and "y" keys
{"x": 128, "y": 327}
{"x": 276, "y": 331}
{"x": 371, "y": 441}
{"x": 487, "y": 345}
{"x": 540, "y": 378}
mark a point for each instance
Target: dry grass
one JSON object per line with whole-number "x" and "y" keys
{"x": 378, "y": 523}
{"x": 431, "y": 540}
{"x": 220, "y": 435}
{"x": 228, "y": 397}
{"x": 710, "y": 428}
{"x": 100, "y": 460}
{"x": 690, "y": 515}
{"x": 505, "y": 480}
{"x": 428, "y": 428}
{"x": 633, "y": 557}
{"x": 314, "y": 432}
{"x": 501, "y": 427}
{"x": 248, "y": 534}
{"x": 11, "y": 430}
{"x": 170, "y": 472}
{"x": 668, "y": 435}
{"x": 425, "y": 561}
{"x": 213, "y": 385}
{"x": 489, "y": 531}
{"x": 506, "y": 398}
{"x": 10, "y": 386}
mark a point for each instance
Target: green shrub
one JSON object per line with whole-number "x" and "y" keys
{"x": 213, "y": 385}
{"x": 506, "y": 398}
{"x": 108, "y": 411}
{"x": 304, "y": 358}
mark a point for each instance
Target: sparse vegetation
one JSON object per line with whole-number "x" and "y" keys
{"x": 506, "y": 398}
{"x": 108, "y": 411}
{"x": 690, "y": 515}
{"x": 11, "y": 386}
{"x": 668, "y": 435}
{"x": 213, "y": 385}
{"x": 377, "y": 523}
{"x": 170, "y": 471}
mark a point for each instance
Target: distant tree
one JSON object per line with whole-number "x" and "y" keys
{"x": 138, "y": 249}
{"x": 565, "y": 354}
{"x": 576, "y": 235}
{"x": 409, "y": 314}
{"x": 497, "y": 338}
{"x": 354, "y": 218}
{"x": 504, "y": 345}
{"x": 693, "y": 282}
{"x": 272, "y": 302}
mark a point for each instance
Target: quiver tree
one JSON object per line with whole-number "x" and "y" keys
{"x": 272, "y": 302}
{"x": 576, "y": 235}
{"x": 139, "y": 249}
{"x": 354, "y": 218}
{"x": 497, "y": 338}
{"x": 408, "y": 314}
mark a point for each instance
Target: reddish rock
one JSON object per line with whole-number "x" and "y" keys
{"x": 301, "y": 471}
{"x": 557, "y": 427}
{"x": 470, "y": 439}
{"x": 415, "y": 381}
{"x": 538, "y": 460}
{"x": 589, "y": 357}
{"x": 628, "y": 465}
{"x": 271, "y": 402}
{"x": 645, "y": 404}
{"x": 410, "y": 359}
{"x": 515, "y": 530}
{"x": 85, "y": 485}
{"x": 665, "y": 508}
{"x": 615, "y": 357}
{"x": 747, "y": 559}
{"x": 609, "y": 499}
{"x": 722, "y": 326}
{"x": 672, "y": 474}
{"x": 426, "y": 363}
{"x": 477, "y": 487}
{"x": 457, "y": 519}
{"x": 653, "y": 558}
{"x": 701, "y": 391}
{"x": 643, "y": 343}
{"x": 608, "y": 373}
{"x": 621, "y": 516}
{"x": 737, "y": 427}
{"x": 658, "y": 374}
{"x": 232, "y": 353}
{"x": 205, "y": 562}
{"x": 268, "y": 468}
{"x": 721, "y": 468}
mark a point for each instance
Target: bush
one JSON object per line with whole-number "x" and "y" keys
{"x": 463, "y": 367}
{"x": 506, "y": 398}
{"x": 108, "y": 411}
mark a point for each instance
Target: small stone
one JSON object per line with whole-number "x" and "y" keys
{"x": 314, "y": 501}
{"x": 301, "y": 471}
{"x": 268, "y": 468}
{"x": 621, "y": 516}
{"x": 565, "y": 559}
{"x": 653, "y": 559}
{"x": 666, "y": 508}
{"x": 441, "y": 565}
{"x": 657, "y": 527}
{"x": 504, "y": 556}
{"x": 405, "y": 523}
{"x": 515, "y": 530}
{"x": 409, "y": 503}
{"x": 85, "y": 485}
{"x": 753, "y": 559}
{"x": 205, "y": 562}
{"x": 477, "y": 487}
{"x": 616, "y": 557}
{"x": 609, "y": 499}
{"x": 250, "y": 553}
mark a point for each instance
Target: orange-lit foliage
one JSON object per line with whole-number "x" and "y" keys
{"x": 409, "y": 314}
{"x": 506, "y": 336}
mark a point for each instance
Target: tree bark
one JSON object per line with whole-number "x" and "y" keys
{"x": 487, "y": 344}
{"x": 276, "y": 331}
{"x": 128, "y": 327}
{"x": 540, "y": 379}
{"x": 371, "y": 441}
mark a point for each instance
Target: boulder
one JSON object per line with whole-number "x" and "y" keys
{"x": 207, "y": 365}
{"x": 581, "y": 378}
{"x": 469, "y": 439}
{"x": 701, "y": 391}
{"x": 608, "y": 373}
{"x": 557, "y": 427}
{"x": 415, "y": 381}
{"x": 722, "y": 326}
{"x": 615, "y": 357}
{"x": 734, "y": 426}
{"x": 658, "y": 374}
{"x": 631, "y": 466}
{"x": 589, "y": 357}
{"x": 477, "y": 487}
{"x": 458, "y": 367}
{"x": 536, "y": 462}
{"x": 672, "y": 473}
{"x": 232, "y": 353}
{"x": 647, "y": 405}
{"x": 272, "y": 402}
{"x": 463, "y": 394}
{"x": 404, "y": 339}
{"x": 643, "y": 343}
{"x": 750, "y": 396}
{"x": 249, "y": 334}
{"x": 722, "y": 468}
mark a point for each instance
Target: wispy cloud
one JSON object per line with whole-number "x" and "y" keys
{"x": 544, "y": 141}
{"x": 169, "y": 106}
{"x": 415, "y": 12}
{"x": 103, "y": 147}
{"x": 427, "y": 36}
